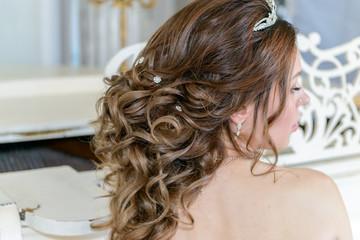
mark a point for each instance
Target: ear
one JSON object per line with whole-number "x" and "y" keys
{"x": 240, "y": 115}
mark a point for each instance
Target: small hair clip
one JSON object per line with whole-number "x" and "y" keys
{"x": 178, "y": 108}
{"x": 157, "y": 79}
{"x": 140, "y": 61}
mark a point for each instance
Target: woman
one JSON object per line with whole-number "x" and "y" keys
{"x": 182, "y": 133}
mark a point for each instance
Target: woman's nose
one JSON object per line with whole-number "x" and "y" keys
{"x": 304, "y": 99}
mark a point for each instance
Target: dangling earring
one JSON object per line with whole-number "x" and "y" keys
{"x": 238, "y": 127}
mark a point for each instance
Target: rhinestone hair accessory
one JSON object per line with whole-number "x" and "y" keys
{"x": 157, "y": 79}
{"x": 140, "y": 61}
{"x": 268, "y": 21}
{"x": 178, "y": 107}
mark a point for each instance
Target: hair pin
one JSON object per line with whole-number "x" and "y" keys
{"x": 157, "y": 79}
{"x": 140, "y": 61}
{"x": 178, "y": 108}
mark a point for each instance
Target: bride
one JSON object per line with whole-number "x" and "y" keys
{"x": 183, "y": 131}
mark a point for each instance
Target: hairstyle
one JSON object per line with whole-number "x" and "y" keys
{"x": 211, "y": 63}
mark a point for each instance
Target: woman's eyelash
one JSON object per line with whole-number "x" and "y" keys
{"x": 295, "y": 88}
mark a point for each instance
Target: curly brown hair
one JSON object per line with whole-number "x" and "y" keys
{"x": 210, "y": 62}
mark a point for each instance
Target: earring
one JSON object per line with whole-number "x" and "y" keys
{"x": 238, "y": 127}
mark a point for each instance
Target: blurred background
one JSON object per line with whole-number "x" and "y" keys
{"x": 86, "y": 33}
{"x": 76, "y": 33}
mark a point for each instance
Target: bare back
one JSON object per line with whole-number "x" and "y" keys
{"x": 300, "y": 204}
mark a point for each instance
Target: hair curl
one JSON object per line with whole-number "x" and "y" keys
{"x": 211, "y": 63}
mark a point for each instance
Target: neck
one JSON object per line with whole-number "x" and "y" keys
{"x": 230, "y": 153}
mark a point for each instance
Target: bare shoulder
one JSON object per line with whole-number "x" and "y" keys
{"x": 316, "y": 201}
{"x": 314, "y": 184}
{"x": 308, "y": 179}
{"x": 310, "y": 187}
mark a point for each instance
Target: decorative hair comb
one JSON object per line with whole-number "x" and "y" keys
{"x": 268, "y": 21}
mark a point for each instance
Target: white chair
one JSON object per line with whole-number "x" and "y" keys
{"x": 127, "y": 54}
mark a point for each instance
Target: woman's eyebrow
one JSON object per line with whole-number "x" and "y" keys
{"x": 297, "y": 74}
